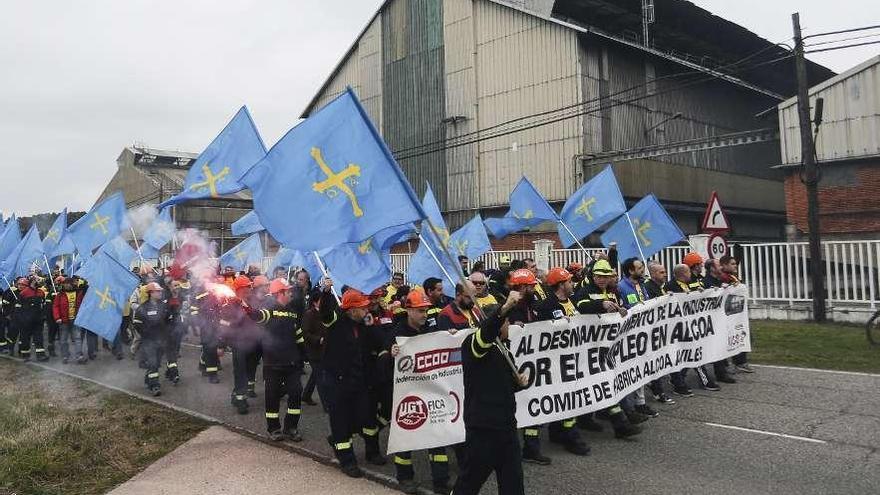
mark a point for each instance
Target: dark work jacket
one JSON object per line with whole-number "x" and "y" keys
{"x": 552, "y": 309}
{"x": 342, "y": 344}
{"x": 152, "y": 320}
{"x": 283, "y": 341}
{"x": 489, "y": 385}
{"x": 710, "y": 281}
{"x": 590, "y": 297}
{"x": 654, "y": 289}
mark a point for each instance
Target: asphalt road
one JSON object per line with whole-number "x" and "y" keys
{"x": 778, "y": 431}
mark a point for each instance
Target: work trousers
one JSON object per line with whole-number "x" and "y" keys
{"x": 345, "y": 399}
{"x": 53, "y": 329}
{"x": 244, "y": 370}
{"x": 90, "y": 342}
{"x": 31, "y": 329}
{"x": 280, "y": 380}
{"x": 487, "y": 451}
{"x": 70, "y": 332}
{"x": 151, "y": 354}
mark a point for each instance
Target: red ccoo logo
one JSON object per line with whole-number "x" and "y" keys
{"x": 412, "y": 412}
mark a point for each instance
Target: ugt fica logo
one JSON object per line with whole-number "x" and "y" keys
{"x": 412, "y": 412}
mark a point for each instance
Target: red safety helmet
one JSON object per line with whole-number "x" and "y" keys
{"x": 522, "y": 276}
{"x": 279, "y": 285}
{"x": 558, "y": 275}
{"x": 417, "y": 299}
{"x": 241, "y": 282}
{"x": 354, "y": 298}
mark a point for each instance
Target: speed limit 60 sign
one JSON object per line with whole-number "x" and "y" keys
{"x": 717, "y": 247}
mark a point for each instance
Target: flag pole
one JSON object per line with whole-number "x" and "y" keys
{"x": 436, "y": 260}
{"x": 589, "y": 257}
{"x": 138, "y": 247}
{"x": 326, "y": 275}
{"x": 9, "y": 285}
{"x": 54, "y": 289}
{"x": 636, "y": 238}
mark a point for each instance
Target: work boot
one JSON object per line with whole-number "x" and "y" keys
{"x": 577, "y": 447}
{"x": 276, "y": 435}
{"x": 155, "y": 390}
{"x": 726, "y": 379}
{"x": 252, "y": 390}
{"x": 587, "y": 422}
{"x": 241, "y": 406}
{"x": 647, "y": 410}
{"x": 375, "y": 458}
{"x": 352, "y": 471}
{"x": 42, "y": 358}
{"x": 622, "y": 427}
{"x": 64, "y": 360}
{"x": 441, "y": 487}
{"x": 293, "y": 435}
{"x": 408, "y": 486}
{"x": 535, "y": 457}
{"x": 635, "y": 417}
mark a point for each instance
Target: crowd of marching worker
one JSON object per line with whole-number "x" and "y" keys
{"x": 283, "y": 320}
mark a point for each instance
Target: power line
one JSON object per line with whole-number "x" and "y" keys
{"x": 843, "y": 39}
{"x": 843, "y": 31}
{"x": 556, "y": 119}
{"x": 844, "y": 46}
{"x": 593, "y": 100}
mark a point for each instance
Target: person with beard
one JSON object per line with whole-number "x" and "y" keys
{"x": 417, "y": 307}
{"x": 433, "y": 288}
{"x": 460, "y": 313}
{"x": 486, "y": 301}
{"x": 378, "y": 329}
{"x": 283, "y": 356}
{"x": 302, "y": 288}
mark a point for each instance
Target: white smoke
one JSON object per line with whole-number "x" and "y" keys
{"x": 140, "y": 219}
{"x": 203, "y": 261}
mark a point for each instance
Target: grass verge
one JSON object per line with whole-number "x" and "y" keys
{"x": 61, "y": 436}
{"x": 832, "y": 346}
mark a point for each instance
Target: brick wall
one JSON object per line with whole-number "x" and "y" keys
{"x": 849, "y": 199}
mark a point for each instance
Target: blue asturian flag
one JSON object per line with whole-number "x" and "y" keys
{"x": 248, "y": 224}
{"x": 527, "y": 209}
{"x": 422, "y": 264}
{"x": 110, "y": 286}
{"x": 218, "y": 169}
{"x": 160, "y": 233}
{"x": 596, "y": 203}
{"x": 644, "y": 231}
{"x": 10, "y": 238}
{"x": 118, "y": 249}
{"x": 55, "y": 233}
{"x": 470, "y": 240}
{"x": 245, "y": 253}
{"x": 27, "y": 253}
{"x": 364, "y": 265}
{"x": 335, "y": 174}
{"x": 102, "y": 223}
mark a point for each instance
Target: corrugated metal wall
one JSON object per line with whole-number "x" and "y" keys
{"x": 415, "y": 89}
{"x": 524, "y": 66}
{"x": 851, "y": 117}
{"x": 362, "y": 70}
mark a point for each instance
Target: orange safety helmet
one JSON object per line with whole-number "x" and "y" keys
{"x": 574, "y": 268}
{"x": 354, "y": 298}
{"x": 241, "y": 282}
{"x": 260, "y": 281}
{"x": 417, "y": 299}
{"x": 523, "y": 276}
{"x": 692, "y": 259}
{"x": 278, "y": 285}
{"x": 558, "y": 275}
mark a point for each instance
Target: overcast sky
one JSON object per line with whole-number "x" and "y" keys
{"x": 81, "y": 80}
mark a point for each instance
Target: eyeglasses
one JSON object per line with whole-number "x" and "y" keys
{"x": 479, "y": 283}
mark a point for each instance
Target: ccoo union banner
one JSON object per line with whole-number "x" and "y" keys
{"x": 575, "y": 366}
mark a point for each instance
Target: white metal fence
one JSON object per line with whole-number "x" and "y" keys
{"x": 775, "y": 272}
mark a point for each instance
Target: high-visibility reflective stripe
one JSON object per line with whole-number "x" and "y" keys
{"x": 25, "y": 351}
{"x": 152, "y": 375}
{"x": 294, "y": 411}
{"x": 40, "y": 350}
{"x": 264, "y": 316}
{"x": 479, "y": 338}
{"x": 614, "y": 410}
{"x": 239, "y": 397}
{"x": 252, "y": 383}
{"x": 530, "y": 432}
{"x": 343, "y": 445}
{"x": 381, "y": 353}
{"x": 438, "y": 458}
{"x": 172, "y": 365}
{"x": 401, "y": 461}
{"x": 271, "y": 415}
{"x": 568, "y": 423}
{"x": 300, "y": 340}
{"x": 477, "y": 354}
{"x": 211, "y": 369}
{"x": 382, "y": 421}
{"x": 133, "y": 320}
{"x": 371, "y": 432}
{"x": 331, "y": 322}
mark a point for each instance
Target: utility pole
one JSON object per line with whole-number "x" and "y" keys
{"x": 810, "y": 174}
